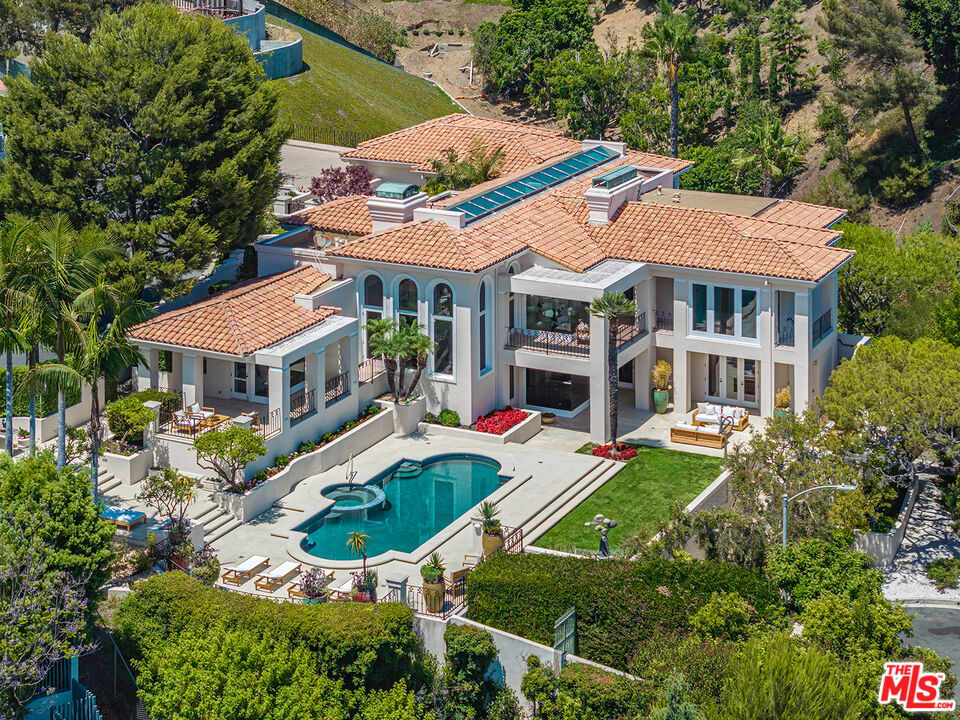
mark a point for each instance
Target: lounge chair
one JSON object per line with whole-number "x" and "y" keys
{"x": 278, "y": 576}
{"x": 122, "y": 517}
{"x": 711, "y": 436}
{"x": 710, "y": 414}
{"x": 342, "y": 591}
{"x": 245, "y": 570}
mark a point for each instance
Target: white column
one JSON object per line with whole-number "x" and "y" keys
{"x": 767, "y": 335}
{"x": 318, "y": 361}
{"x": 681, "y": 367}
{"x": 192, "y": 379}
{"x": 352, "y": 361}
{"x": 147, "y": 375}
{"x": 641, "y": 380}
{"x": 767, "y": 387}
{"x": 802, "y": 339}
{"x": 279, "y": 394}
{"x": 647, "y": 301}
{"x": 599, "y": 392}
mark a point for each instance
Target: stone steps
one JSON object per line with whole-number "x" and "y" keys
{"x": 106, "y": 482}
{"x": 222, "y": 530}
{"x": 215, "y": 522}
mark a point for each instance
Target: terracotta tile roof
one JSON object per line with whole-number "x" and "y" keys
{"x": 348, "y": 215}
{"x": 243, "y": 319}
{"x": 801, "y": 213}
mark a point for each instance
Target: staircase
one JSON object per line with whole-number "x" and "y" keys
{"x": 216, "y": 522}
{"x": 106, "y": 481}
{"x": 408, "y": 469}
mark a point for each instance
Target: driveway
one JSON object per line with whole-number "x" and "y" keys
{"x": 304, "y": 160}
{"x": 937, "y": 629}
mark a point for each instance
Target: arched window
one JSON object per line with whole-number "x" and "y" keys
{"x": 484, "y": 317}
{"x": 441, "y": 317}
{"x": 372, "y": 307}
{"x": 407, "y": 311}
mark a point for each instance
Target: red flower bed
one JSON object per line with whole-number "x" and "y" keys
{"x": 499, "y": 421}
{"x": 623, "y": 452}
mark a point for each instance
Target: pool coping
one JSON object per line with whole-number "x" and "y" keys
{"x": 416, "y": 556}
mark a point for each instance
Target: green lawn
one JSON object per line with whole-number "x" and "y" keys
{"x": 353, "y": 93}
{"x": 642, "y": 492}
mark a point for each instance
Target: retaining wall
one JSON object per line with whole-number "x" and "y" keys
{"x": 517, "y": 434}
{"x": 882, "y": 547}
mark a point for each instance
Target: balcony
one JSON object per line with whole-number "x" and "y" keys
{"x": 630, "y": 329}
{"x": 369, "y": 369}
{"x": 822, "y": 326}
{"x": 549, "y": 342}
{"x": 785, "y": 334}
{"x": 664, "y": 321}
{"x": 302, "y": 404}
{"x": 336, "y": 388}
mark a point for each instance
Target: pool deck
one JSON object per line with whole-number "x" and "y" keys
{"x": 545, "y": 485}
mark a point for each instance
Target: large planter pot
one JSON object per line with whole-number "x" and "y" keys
{"x": 366, "y": 596}
{"x": 660, "y": 400}
{"x": 314, "y": 601}
{"x": 779, "y": 413}
{"x": 433, "y": 596}
{"x": 407, "y": 416}
{"x": 490, "y": 544}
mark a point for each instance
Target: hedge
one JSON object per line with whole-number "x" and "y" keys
{"x": 46, "y": 405}
{"x": 365, "y": 645}
{"x": 620, "y": 604}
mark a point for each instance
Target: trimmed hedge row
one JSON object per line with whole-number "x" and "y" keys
{"x": 365, "y": 645}
{"x": 46, "y": 404}
{"x": 620, "y": 604}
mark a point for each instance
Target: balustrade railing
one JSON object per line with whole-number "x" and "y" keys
{"x": 369, "y": 369}
{"x": 220, "y": 8}
{"x": 631, "y": 328}
{"x": 550, "y": 342}
{"x": 664, "y": 320}
{"x": 302, "y": 403}
{"x": 785, "y": 335}
{"x": 337, "y": 387}
{"x": 822, "y": 326}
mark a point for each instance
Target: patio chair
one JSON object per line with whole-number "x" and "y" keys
{"x": 278, "y": 576}
{"x": 183, "y": 420}
{"x": 245, "y": 570}
{"x": 196, "y": 410}
{"x": 122, "y": 517}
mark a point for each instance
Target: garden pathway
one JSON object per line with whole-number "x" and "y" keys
{"x": 928, "y": 537}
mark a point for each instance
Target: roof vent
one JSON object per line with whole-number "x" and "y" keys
{"x": 617, "y": 176}
{"x": 396, "y": 191}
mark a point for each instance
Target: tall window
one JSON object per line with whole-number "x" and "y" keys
{"x": 372, "y": 306}
{"x": 407, "y": 303}
{"x": 699, "y": 308}
{"x": 484, "y": 318}
{"x": 748, "y": 313}
{"x": 442, "y": 320}
{"x": 724, "y": 312}
{"x": 298, "y": 374}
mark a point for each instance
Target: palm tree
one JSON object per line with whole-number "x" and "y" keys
{"x": 611, "y": 307}
{"x": 100, "y": 348}
{"x": 62, "y": 264}
{"x": 13, "y": 239}
{"x": 419, "y": 346}
{"x": 771, "y": 148}
{"x": 396, "y": 345}
{"x": 479, "y": 165}
{"x": 357, "y": 543}
{"x": 669, "y": 40}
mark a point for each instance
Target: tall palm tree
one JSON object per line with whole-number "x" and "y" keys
{"x": 357, "y": 543}
{"x": 768, "y": 146}
{"x": 100, "y": 319}
{"x": 669, "y": 40}
{"x": 396, "y": 344}
{"x": 611, "y": 307}
{"x": 64, "y": 263}
{"x": 13, "y": 241}
{"x": 418, "y": 345}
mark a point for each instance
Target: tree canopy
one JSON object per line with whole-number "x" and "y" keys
{"x": 162, "y": 129}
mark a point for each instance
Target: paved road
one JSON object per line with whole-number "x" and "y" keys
{"x": 305, "y": 160}
{"x": 939, "y": 630}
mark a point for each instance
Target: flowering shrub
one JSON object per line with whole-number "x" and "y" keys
{"x": 499, "y": 421}
{"x": 119, "y": 446}
{"x": 282, "y": 461}
{"x": 622, "y": 452}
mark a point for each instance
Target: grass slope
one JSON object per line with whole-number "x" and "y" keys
{"x": 348, "y": 91}
{"x": 642, "y": 492}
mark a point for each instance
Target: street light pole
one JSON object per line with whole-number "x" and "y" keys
{"x": 787, "y": 500}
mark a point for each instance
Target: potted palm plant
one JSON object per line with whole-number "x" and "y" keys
{"x": 781, "y": 402}
{"x": 433, "y": 586}
{"x": 492, "y": 539}
{"x": 364, "y": 582}
{"x": 661, "y": 385}
{"x": 397, "y": 345}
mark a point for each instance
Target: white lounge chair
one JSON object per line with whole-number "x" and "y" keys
{"x": 278, "y": 576}
{"x": 245, "y": 570}
{"x": 343, "y": 589}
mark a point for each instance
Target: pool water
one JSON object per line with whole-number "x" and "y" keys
{"x": 401, "y": 508}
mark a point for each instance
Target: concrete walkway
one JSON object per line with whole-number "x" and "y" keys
{"x": 304, "y": 160}
{"x": 928, "y": 537}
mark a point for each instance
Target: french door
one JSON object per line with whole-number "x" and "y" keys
{"x": 732, "y": 380}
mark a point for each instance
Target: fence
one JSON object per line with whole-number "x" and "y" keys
{"x": 281, "y": 12}
{"x": 218, "y": 8}
{"x": 337, "y": 387}
{"x": 664, "y": 320}
{"x": 328, "y": 135}
{"x": 369, "y": 369}
{"x": 266, "y": 427}
{"x": 301, "y": 405}
{"x": 822, "y": 326}
{"x": 548, "y": 342}
{"x": 635, "y": 327}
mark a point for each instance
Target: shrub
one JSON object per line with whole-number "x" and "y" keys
{"x": 781, "y": 399}
{"x": 45, "y": 404}
{"x": 620, "y": 604}
{"x": 470, "y": 651}
{"x": 809, "y": 567}
{"x": 945, "y": 572}
{"x": 431, "y": 418}
{"x": 416, "y": 33}
{"x": 723, "y": 615}
{"x": 500, "y": 421}
{"x": 219, "y": 286}
{"x": 449, "y": 418}
{"x": 281, "y": 461}
{"x": 305, "y": 447}
{"x": 127, "y": 418}
{"x": 153, "y": 394}
{"x": 907, "y": 185}
{"x": 622, "y": 452}
{"x": 661, "y": 375}
{"x": 606, "y": 694}
{"x": 365, "y": 645}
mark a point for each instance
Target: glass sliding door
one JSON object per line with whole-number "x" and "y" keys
{"x": 731, "y": 380}
{"x": 750, "y": 381}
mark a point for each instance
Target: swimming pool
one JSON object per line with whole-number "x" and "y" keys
{"x": 401, "y": 508}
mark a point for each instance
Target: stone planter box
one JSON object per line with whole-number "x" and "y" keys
{"x": 261, "y": 498}
{"x": 129, "y": 469}
{"x": 407, "y": 416}
{"x": 519, "y": 433}
{"x": 882, "y": 547}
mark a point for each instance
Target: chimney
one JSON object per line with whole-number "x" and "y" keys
{"x": 611, "y": 190}
{"x": 393, "y": 204}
